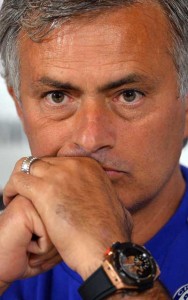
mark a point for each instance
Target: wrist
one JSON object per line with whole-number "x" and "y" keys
{"x": 126, "y": 267}
{"x": 90, "y": 268}
{"x": 157, "y": 292}
{"x": 93, "y": 260}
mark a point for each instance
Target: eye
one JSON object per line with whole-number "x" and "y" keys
{"x": 130, "y": 96}
{"x": 57, "y": 97}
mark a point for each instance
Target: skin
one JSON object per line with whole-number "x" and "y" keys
{"x": 123, "y": 146}
{"x": 96, "y": 121}
{"x": 23, "y": 216}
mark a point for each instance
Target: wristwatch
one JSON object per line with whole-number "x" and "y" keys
{"x": 126, "y": 267}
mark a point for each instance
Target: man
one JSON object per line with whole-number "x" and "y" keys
{"x": 101, "y": 89}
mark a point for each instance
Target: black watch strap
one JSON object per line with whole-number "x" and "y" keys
{"x": 97, "y": 286}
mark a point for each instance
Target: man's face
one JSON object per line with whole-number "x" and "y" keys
{"x": 107, "y": 88}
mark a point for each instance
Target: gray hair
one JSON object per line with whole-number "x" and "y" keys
{"x": 39, "y": 17}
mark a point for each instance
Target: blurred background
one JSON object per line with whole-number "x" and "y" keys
{"x": 13, "y": 142}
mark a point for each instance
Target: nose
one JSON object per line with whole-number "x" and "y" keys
{"x": 94, "y": 130}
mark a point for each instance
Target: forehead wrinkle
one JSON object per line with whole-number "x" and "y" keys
{"x": 67, "y": 37}
{"x": 92, "y": 58}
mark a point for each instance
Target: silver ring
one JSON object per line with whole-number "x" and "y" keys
{"x": 26, "y": 165}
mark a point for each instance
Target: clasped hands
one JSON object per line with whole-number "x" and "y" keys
{"x": 65, "y": 209}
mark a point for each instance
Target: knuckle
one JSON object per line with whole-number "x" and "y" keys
{"x": 16, "y": 211}
{"x": 20, "y": 205}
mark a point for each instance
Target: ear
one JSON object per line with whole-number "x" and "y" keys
{"x": 17, "y": 103}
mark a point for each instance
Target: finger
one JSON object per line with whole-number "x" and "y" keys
{"x": 10, "y": 190}
{"x": 41, "y": 243}
{"x": 47, "y": 165}
{"x": 32, "y": 224}
{"x": 34, "y": 189}
{"x": 19, "y": 164}
{"x": 45, "y": 265}
{"x": 43, "y": 166}
{"x": 49, "y": 264}
{"x": 40, "y": 246}
{"x": 18, "y": 183}
{"x": 40, "y": 162}
{"x": 43, "y": 163}
{"x": 36, "y": 260}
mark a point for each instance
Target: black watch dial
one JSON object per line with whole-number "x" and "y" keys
{"x": 134, "y": 263}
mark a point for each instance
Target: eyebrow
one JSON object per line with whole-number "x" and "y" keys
{"x": 129, "y": 79}
{"x": 47, "y": 81}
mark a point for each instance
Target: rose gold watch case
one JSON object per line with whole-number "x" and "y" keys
{"x": 114, "y": 276}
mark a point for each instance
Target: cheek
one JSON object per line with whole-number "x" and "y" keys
{"x": 154, "y": 140}
{"x": 151, "y": 148}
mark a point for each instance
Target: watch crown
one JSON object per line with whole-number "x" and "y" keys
{"x": 107, "y": 252}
